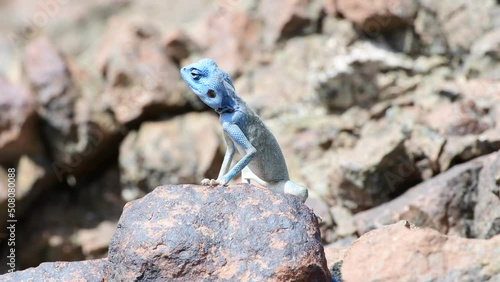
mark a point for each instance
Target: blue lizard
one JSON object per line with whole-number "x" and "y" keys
{"x": 244, "y": 131}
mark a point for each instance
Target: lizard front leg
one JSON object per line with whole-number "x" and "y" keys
{"x": 228, "y": 158}
{"x": 239, "y": 138}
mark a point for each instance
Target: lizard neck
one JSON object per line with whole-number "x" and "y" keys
{"x": 230, "y": 104}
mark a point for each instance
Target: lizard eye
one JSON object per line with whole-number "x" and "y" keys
{"x": 195, "y": 74}
{"x": 211, "y": 93}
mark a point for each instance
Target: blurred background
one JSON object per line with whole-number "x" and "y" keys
{"x": 366, "y": 98}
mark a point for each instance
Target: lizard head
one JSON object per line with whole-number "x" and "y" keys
{"x": 209, "y": 83}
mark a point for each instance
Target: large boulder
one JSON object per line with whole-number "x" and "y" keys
{"x": 461, "y": 201}
{"x": 401, "y": 252}
{"x": 240, "y": 232}
{"x": 191, "y": 233}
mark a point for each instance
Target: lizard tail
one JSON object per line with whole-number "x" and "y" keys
{"x": 291, "y": 188}
{"x": 297, "y": 190}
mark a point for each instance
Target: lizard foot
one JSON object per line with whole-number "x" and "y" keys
{"x": 211, "y": 182}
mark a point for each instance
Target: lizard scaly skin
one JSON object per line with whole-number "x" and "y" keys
{"x": 244, "y": 131}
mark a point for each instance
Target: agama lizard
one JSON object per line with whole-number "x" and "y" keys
{"x": 262, "y": 159}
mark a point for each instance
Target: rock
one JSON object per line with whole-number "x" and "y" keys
{"x": 296, "y": 17}
{"x": 344, "y": 221}
{"x": 377, "y": 168}
{"x": 240, "y": 232}
{"x": 75, "y": 132}
{"x": 95, "y": 241}
{"x": 330, "y": 7}
{"x": 54, "y": 234}
{"x": 91, "y": 270}
{"x": 321, "y": 209}
{"x": 17, "y": 122}
{"x": 165, "y": 152}
{"x": 334, "y": 255}
{"x": 359, "y": 74}
{"x": 450, "y": 202}
{"x": 141, "y": 80}
{"x": 484, "y": 55}
{"x": 230, "y": 39}
{"x": 425, "y": 145}
{"x": 50, "y": 79}
{"x": 401, "y": 252}
{"x": 452, "y": 26}
{"x": 178, "y": 45}
{"x": 379, "y": 16}
{"x": 460, "y": 149}
{"x": 259, "y": 89}
{"x": 487, "y": 211}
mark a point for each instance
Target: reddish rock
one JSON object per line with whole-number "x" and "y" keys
{"x": 334, "y": 256}
{"x": 451, "y": 202}
{"x": 401, "y": 252}
{"x": 375, "y": 17}
{"x": 76, "y": 133}
{"x": 330, "y": 7}
{"x": 239, "y": 232}
{"x": 164, "y": 152}
{"x": 141, "y": 80}
{"x": 90, "y": 270}
{"x": 17, "y": 122}
{"x": 49, "y": 77}
{"x": 230, "y": 39}
{"x": 178, "y": 45}
{"x": 295, "y": 17}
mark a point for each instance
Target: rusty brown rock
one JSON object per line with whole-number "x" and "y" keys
{"x": 17, "y": 122}
{"x": 239, "y": 232}
{"x": 90, "y": 270}
{"x": 401, "y": 252}
{"x": 450, "y": 203}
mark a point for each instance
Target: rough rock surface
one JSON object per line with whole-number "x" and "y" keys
{"x": 239, "y": 232}
{"x": 171, "y": 154}
{"x": 190, "y": 232}
{"x": 401, "y": 252}
{"x": 17, "y": 122}
{"x": 455, "y": 202}
{"x": 141, "y": 81}
{"x": 89, "y": 270}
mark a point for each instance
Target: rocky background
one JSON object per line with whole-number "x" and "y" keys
{"x": 381, "y": 108}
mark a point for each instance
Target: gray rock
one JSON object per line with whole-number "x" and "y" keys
{"x": 91, "y": 270}
{"x": 185, "y": 149}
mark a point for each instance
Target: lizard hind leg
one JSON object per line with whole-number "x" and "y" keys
{"x": 291, "y": 188}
